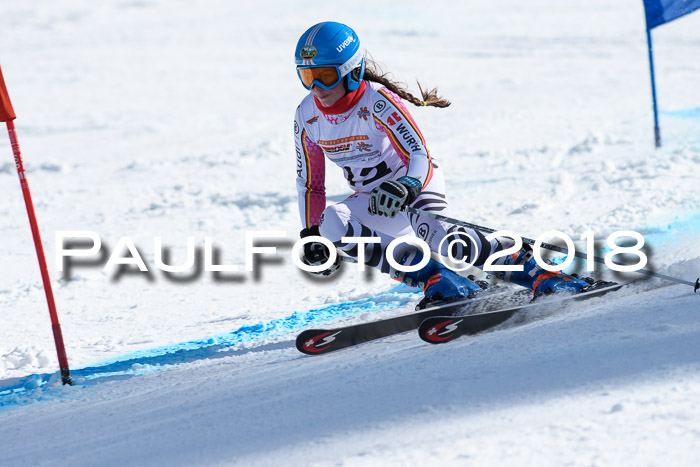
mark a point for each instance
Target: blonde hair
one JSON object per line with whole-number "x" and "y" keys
{"x": 373, "y": 72}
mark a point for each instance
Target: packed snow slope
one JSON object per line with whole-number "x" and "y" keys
{"x": 147, "y": 119}
{"x": 613, "y": 382}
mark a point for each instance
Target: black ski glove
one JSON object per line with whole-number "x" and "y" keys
{"x": 316, "y": 253}
{"x": 389, "y": 198}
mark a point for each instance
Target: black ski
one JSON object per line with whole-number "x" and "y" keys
{"x": 318, "y": 341}
{"x": 440, "y": 329}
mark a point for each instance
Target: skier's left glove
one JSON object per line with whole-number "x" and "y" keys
{"x": 389, "y": 198}
{"x": 316, "y": 253}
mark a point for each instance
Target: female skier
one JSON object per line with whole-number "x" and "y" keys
{"x": 356, "y": 117}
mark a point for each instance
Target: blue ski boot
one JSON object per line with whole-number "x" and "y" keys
{"x": 439, "y": 283}
{"x": 541, "y": 281}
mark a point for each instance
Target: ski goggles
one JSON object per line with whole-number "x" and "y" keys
{"x": 325, "y": 77}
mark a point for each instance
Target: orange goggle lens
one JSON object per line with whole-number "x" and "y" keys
{"x": 326, "y": 76}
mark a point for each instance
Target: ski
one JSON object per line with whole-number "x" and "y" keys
{"x": 320, "y": 341}
{"x": 437, "y": 329}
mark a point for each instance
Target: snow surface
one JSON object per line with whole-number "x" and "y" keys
{"x": 173, "y": 119}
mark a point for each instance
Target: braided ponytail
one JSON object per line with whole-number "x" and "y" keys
{"x": 373, "y": 72}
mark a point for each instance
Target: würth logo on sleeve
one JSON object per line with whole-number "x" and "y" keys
{"x": 394, "y": 118}
{"x": 406, "y": 135}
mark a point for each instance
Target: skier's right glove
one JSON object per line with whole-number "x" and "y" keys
{"x": 316, "y": 253}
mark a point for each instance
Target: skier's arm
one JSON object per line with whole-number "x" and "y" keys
{"x": 393, "y": 118}
{"x": 311, "y": 175}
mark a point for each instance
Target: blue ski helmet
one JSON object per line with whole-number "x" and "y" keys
{"x": 330, "y": 44}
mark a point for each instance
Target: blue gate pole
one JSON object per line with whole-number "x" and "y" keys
{"x": 657, "y": 131}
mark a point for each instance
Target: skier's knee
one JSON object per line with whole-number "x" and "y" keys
{"x": 334, "y": 222}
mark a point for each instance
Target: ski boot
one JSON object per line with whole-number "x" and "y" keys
{"x": 541, "y": 281}
{"x": 439, "y": 283}
{"x": 447, "y": 286}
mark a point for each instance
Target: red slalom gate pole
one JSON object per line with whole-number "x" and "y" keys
{"x": 7, "y": 115}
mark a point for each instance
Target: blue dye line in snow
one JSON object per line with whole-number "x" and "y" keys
{"x": 18, "y": 391}
{"x": 682, "y": 113}
{"x": 654, "y": 237}
{"x": 395, "y": 297}
{"x": 680, "y": 227}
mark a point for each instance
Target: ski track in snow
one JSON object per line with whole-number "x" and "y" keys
{"x": 144, "y": 119}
